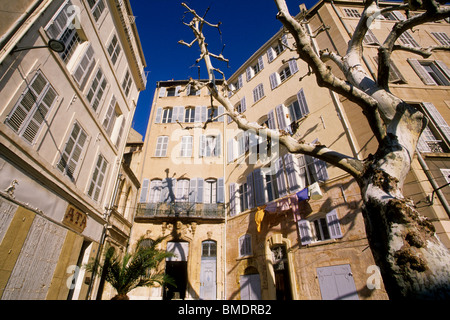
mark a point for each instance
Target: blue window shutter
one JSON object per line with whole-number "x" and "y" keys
{"x": 232, "y": 189}
{"x": 292, "y": 172}
{"x": 218, "y": 151}
{"x": 271, "y": 119}
{"x": 302, "y": 103}
{"x": 250, "y": 195}
{"x": 220, "y": 190}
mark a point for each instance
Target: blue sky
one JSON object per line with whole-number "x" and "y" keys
{"x": 246, "y": 26}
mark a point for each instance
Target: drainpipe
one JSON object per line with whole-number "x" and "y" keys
{"x": 436, "y": 188}
{"x": 225, "y": 145}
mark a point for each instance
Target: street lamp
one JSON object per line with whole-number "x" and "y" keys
{"x": 53, "y": 44}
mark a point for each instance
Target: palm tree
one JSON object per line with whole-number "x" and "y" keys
{"x": 134, "y": 269}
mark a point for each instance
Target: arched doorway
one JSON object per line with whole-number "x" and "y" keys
{"x": 208, "y": 271}
{"x": 176, "y": 267}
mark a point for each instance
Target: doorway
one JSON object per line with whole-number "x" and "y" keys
{"x": 281, "y": 270}
{"x": 176, "y": 267}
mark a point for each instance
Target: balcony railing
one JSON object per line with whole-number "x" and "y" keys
{"x": 181, "y": 209}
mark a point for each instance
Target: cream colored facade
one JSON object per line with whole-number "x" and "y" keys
{"x": 64, "y": 123}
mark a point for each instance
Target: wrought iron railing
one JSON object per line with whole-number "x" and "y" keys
{"x": 181, "y": 209}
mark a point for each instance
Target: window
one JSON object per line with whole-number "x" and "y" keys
{"x": 271, "y": 187}
{"x": 210, "y": 146}
{"x": 167, "y": 115}
{"x": 171, "y": 92}
{"x": 446, "y": 174}
{"x": 182, "y": 190}
{"x": 352, "y": 13}
{"x": 442, "y": 37}
{"x": 245, "y": 245}
{"x": 241, "y": 107}
{"x": 210, "y": 191}
{"x": 98, "y": 176}
{"x": 321, "y": 228}
{"x": 213, "y": 113}
{"x": 234, "y": 86}
{"x": 276, "y": 50}
{"x": 72, "y": 151}
{"x": 254, "y": 69}
{"x": 285, "y": 72}
{"x": 209, "y": 248}
{"x": 84, "y": 68}
{"x": 189, "y": 115}
{"x": 370, "y": 39}
{"x": 258, "y": 93}
{"x": 407, "y": 39}
{"x": 431, "y": 72}
{"x": 114, "y": 49}
{"x": 186, "y": 146}
{"x": 30, "y": 112}
{"x": 111, "y": 116}
{"x": 63, "y": 27}
{"x": 161, "y": 146}
{"x": 299, "y": 108}
{"x": 191, "y": 92}
{"x": 126, "y": 83}
{"x": 97, "y": 7}
{"x": 97, "y": 89}
{"x": 394, "y": 16}
{"x": 394, "y": 74}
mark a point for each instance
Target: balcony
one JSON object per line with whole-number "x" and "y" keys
{"x": 164, "y": 210}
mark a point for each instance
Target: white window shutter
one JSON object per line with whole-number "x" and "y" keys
{"x": 204, "y": 114}
{"x": 321, "y": 171}
{"x": 280, "y": 176}
{"x": 192, "y": 190}
{"x": 275, "y": 80}
{"x": 333, "y": 225}
{"x": 162, "y": 92}
{"x": 292, "y": 172}
{"x": 230, "y": 150}
{"x": 302, "y": 103}
{"x": 271, "y": 54}
{"x": 281, "y": 116}
{"x": 243, "y": 105}
{"x": 304, "y": 231}
{"x": 250, "y": 73}
{"x": 293, "y": 66}
{"x": 218, "y": 151}
{"x": 221, "y": 190}
{"x": 200, "y": 186}
{"x": 421, "y": 72}
{"x": 240, "y": 81}
{"x": 232, "y": 189}
{"x": 177, "y": 91}
{"x": 284, "y": 41}
{"x": 158, "y": 115}
{"x": 220, "y": 112}
{"x": 198, "y": 114}
{"x": 260, "y": 198}
{"x": 144, "y": 191}
{"x": 175, "y": 114}
{"x": 250, "y": 195}
{"x": 202, "y": 146}
{"x": 260, "y": 63}
{"x": 271, "y": 120}
{"x": 443, "y": 68}
{"x": 399, "y": 15}
{"x": 438, "y": 119}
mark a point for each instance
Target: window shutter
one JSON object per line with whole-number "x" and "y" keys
{"x": 281, "y": 116}
{"x": 218, "y": 150}
{"x": 302, "y": 174}
{"x": 188, "y": 90}
{"x": 281, "y": 180}
{"x": 198, "y": 114}
{"x": 158, "y": 115}
{"x": 164, "y": 190}
{"x": 232, "y": 189}
{"x": 220, "y": 190}
{"x": 292, "y": 172}
{"x": 443, "y": 68}
{"x": 175, "y": 114}
{"x": 271, "y": 120}
{"x": 84, "y": 67}
{"x": 421, "y": 72}
{"x": 177, "y": 91}
{"x": 438, "y": 119}
{"x": 407, "y": 39}
{"x": 204, "y": 113}
{"x": 220, "y": 112}
{"x": 302, "y": 103}
{"x": 369, "y": 38}
{"x": 144, "y": 191}
{"x": 243, "y": 105}
{"x": 259, "y": 187}
{"x": 321, "y": 171}
{"x": 250, "y": 73}
{"x": 260, "y": 63}
{"x": 230, "y": 150}
{"x": 422, "y": 144}
{"x": 200, "y": 185}
{"x": 202, "y": 145}
{"x": 284, "y": 41}
{"x": 293, "y": 67}
{"x": 192, "y": 190}
{"x": 240, "y": 81}
{"x": 250, "y": 195}
{"x": 274, "y": 80}
{"x": 271, "y": 54}
{"x": 333, "y": 225}
{"x": 399, "y": 15}
{"x": 304, "y": 231}
{"x": 162, "y": 92}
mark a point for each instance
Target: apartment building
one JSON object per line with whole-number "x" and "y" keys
{"x": 271, "y": 241}
{"x": 64, "y": 122}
